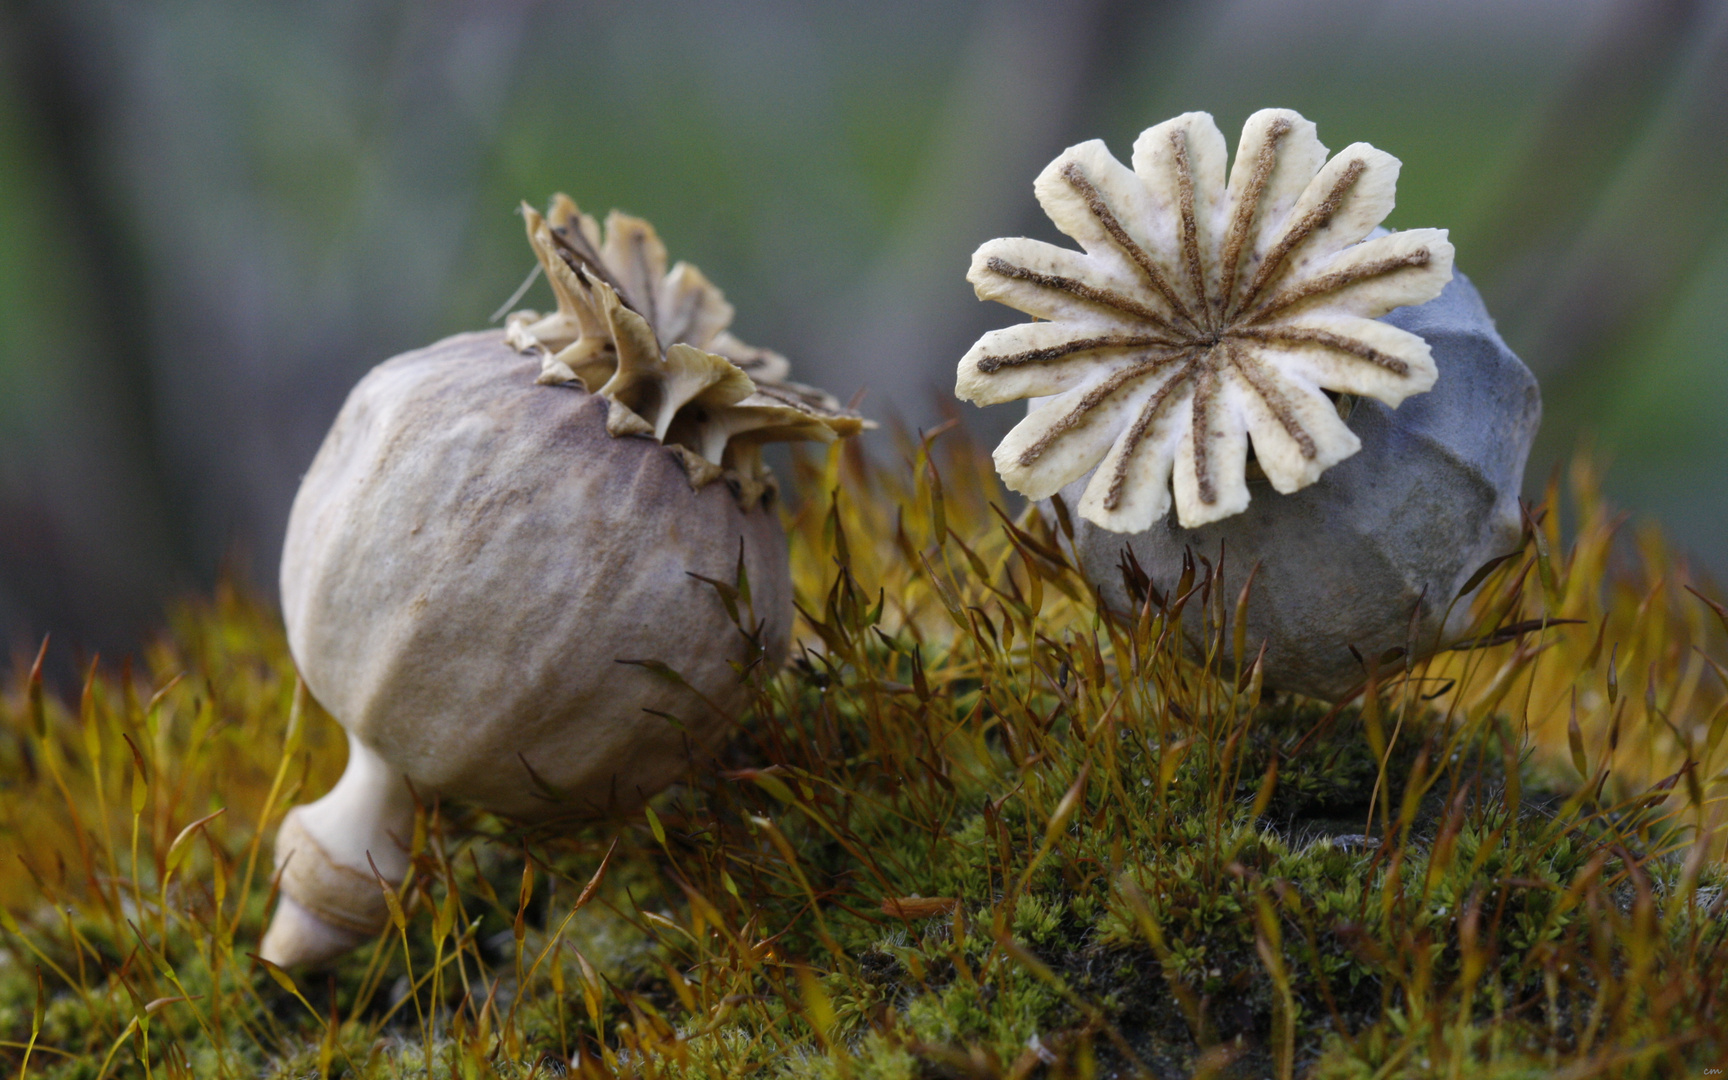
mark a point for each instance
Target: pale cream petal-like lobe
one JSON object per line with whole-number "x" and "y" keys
{"x": 588, "y": 360}
{"x": 800, "y": 403}
{"x": 1144, "y": 495}
{"x": 1367, "y": 279}
{"x": 1061, "y": 439}
{"x": 1069, "y": 210}
{"x": 1054, "y": 283}
{"x": 1222, "y": 427}
{"x": 631, "y": 334}
{"x": 1342, "y": 204}
{"x": 621, "y": 419}
{"x": 1103, "y": 205}
{"x": 634, "y": 388}
{"x": 817, "y": 404}
{"x": 576, "y": 315}
{"x": 705, "y": 378}
{"x": 637, "y": 258}
{"x": 1277, "y": 158}
{"x": 516, "y": 333}
{"x": 564, "y": 214}
{"x": 1043, "y": 358}
{"x": 698, "y": 468}
{"x": 1296, "y": 429}
{"x": 539, "y": 236}
{"x": 1349, "y": 355}
{"x": 763, "y": 365}
{"x": 753, "y": 418}
{"x": 1192, "y": 206}
{"x": 775, "y": 423}
{"x": 691, "y": 309}
{"x": 570, "y": 241}
{"x": 575, "y": 299}
{"x": 554, "y": 371}
{"x": 654, "y": 388}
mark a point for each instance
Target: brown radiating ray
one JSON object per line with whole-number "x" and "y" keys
{"x": 1137, "y": 432}
{"x": 1337, "y": 279}
{"x": 1314, "y": 220}
{"x": 1092, "y": 294}
{"x": 1091, "y": 400}
{"x": 639, "y": 242}
{"x": 1069, "y": 348}
{"x": 1095, "y": 202}
{"x": 579, "y": 255}
{"x": 1249, "y": 209}
{"x": 1306, "y": 335}
{"x": 1205, "y": 388}
{"x": 1190, "y": 226}
{"x": 1255, "y": 374}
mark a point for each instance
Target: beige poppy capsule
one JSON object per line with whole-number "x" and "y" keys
{"x": 1311, "y": 394}
{"x": 499, "y": 571}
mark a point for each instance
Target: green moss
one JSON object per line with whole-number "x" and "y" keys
{"x": 978, "y": 828}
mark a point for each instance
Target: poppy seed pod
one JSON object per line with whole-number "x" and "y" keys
{"x": 1241, "y": 361}
{"x": 534, "y": 585}
{"x": 1371, "y": 557}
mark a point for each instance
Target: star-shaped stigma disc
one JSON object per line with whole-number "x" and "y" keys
{"x": 1201, "y": 316}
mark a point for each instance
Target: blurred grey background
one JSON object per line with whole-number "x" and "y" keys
{"x": 216, "y": 215}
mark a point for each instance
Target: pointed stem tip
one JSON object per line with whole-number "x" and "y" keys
{"x": 325, "y": 854}
{"x": 298, "y": 938}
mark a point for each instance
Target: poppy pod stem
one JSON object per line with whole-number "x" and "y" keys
{"x": 325, "y": 851}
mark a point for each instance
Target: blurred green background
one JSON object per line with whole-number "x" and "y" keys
{"x": 215, "y": 215}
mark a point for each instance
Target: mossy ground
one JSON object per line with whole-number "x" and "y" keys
{"x": 977, "y": 827}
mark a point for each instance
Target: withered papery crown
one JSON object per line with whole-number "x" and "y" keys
{"x": 1199, "y": 315}
{"x": 654, "y": 343}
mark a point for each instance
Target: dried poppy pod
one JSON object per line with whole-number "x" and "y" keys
{"x": 497, "y": 561}
{"x": 1226, "y": 348}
